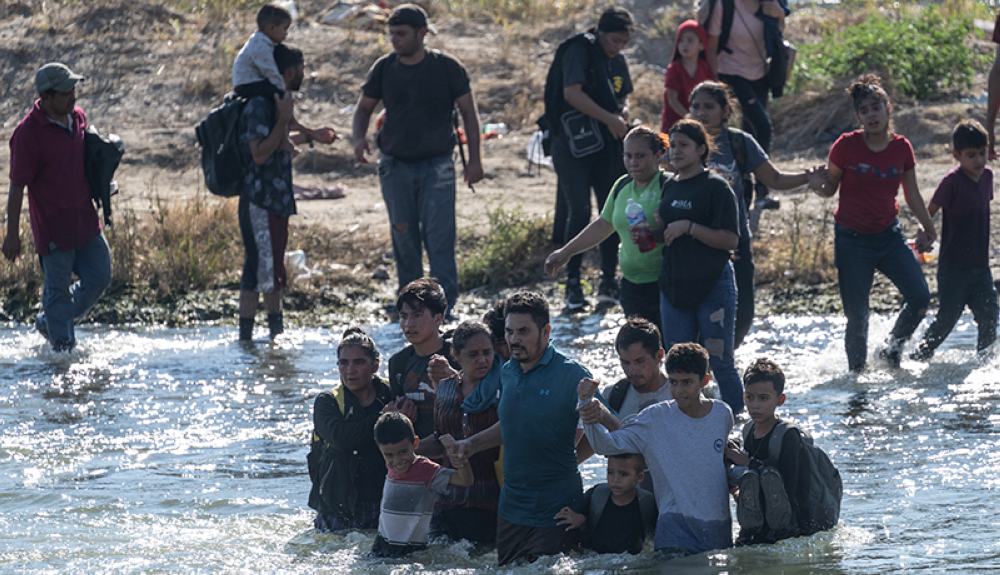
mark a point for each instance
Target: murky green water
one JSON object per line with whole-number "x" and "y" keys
{"x": 161, "y": 450}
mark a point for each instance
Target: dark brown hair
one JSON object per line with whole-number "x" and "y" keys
{"x": 658, "y": 143}
{"x": 355, "y": 336}
{"x": 687, "y": 358}
{"x": 694, "y": 130}
{"x": 639, "y": 330}
{"x": 969, "y": 134}
{"x": 723, "y": 94}
{"x": 272, "y": 14}
{"x": 765, "y": 370}
{"x": 867, "y": 86}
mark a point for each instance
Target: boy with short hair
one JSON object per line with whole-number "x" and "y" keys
{"x": 774, "y": 499}
{"x": 617, "y": 515}
{"x": 422, "y": 305}
{"x": 255, "y": 72}
{"x": 682, "y": 441}
{"x": 411, "y": 485}
{"x": 964, "y": 277}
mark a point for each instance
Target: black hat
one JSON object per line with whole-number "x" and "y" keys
{"x": 410, "y": 15}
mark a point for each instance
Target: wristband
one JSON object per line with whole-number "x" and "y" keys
{"x": 691, "y": 230}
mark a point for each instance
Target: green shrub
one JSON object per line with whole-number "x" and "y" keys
{"x": 509, "y": 254}
{"x": 923, "y": 54}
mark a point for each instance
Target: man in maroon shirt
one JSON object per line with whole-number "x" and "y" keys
{"x": 46, "y": 157}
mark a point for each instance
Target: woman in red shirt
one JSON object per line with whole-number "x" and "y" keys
{"x": 868, "y": 166}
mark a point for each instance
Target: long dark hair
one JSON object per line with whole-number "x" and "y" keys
{"x": 694, "y": 130}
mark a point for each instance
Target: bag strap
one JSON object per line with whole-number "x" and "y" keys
{"x": 619, "y": 186}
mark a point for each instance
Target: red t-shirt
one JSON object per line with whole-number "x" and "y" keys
{"x": 677, "y": 78}
{"x": 49, "y": 161}
{"x": 871, "y": 181}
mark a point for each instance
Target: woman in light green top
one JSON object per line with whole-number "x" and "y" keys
{"x": 640, "y": 270}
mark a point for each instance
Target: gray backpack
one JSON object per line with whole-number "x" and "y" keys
{"x": 825, "y": 486}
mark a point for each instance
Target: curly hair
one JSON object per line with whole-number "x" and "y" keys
{"x": 765, "y": 370}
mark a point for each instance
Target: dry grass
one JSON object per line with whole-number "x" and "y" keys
{"x": 795, "y": 245}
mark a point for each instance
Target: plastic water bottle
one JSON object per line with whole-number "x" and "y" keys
{"x": 637, "y": 216}
{"x": 499, "y": 129}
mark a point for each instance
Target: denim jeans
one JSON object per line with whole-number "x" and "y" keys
{"x": 65, "y": 302}
{"x": 857, "y": 257}
{"x": 957, "y": 289}
{"x": 753, "y": 96}
{"x": 420, "y": 198}
{"x": 744, "y": 267}
{"x": 711, "y": 324}
{"x": 576, "y": 177}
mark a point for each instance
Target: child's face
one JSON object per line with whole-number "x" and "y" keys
{"x": 684, "y": 152}
{"x": 399, "y": 456}
{"x": 761, "y": 400}
{"x": 689, "y": 46}
{"x": 873, "y": 114}
{"x": 707, "y": 110}
{"x": 686, "y": 389}
{"x": 418, "y": 325}
{"x": 622, "y": 476}
{"x": 641, "y": 368}
{"x": 972, "y": 161}
{"x": 640, "y": 161}
{"x": 277, "y": 32}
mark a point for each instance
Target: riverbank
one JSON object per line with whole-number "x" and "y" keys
{"x": 154, "y": 71}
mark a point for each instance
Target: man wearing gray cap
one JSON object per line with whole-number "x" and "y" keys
{"x": 420, "y": 89}
{"x": 46, "y": 157}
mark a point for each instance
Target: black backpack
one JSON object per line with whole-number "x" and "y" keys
{"x": 825, "y": 485}
{"x": 102, "y": 154}
{"x": 218, "y": 135}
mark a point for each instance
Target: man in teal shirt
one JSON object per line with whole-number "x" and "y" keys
{"x": 538, "y": 427}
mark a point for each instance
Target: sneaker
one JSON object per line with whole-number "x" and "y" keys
{"x": 608, "y": 292}
{"x": 748, "y": 510}
{"x": 574, "y": 297}
{"x": 42, "y": 327}
{"x": 767, "y": 203}
{"x": 777, "y": 509}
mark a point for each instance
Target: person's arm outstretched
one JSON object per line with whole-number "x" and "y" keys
{"x": 463, "y": 471}
{"x": 596, "y": 232}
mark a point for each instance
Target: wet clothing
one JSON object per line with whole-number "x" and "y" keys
{"x": 484, "y": 494}
{"x": 419, "y": 100}
{"x": 407, "y": 504}
{"x": 868, "y": 237}
{"x": 677, "y": 78}
{"x": 408, "y": 376}
{"x": 685, "y": 457}
{"x": 618, "y": 529}
{"x": 523, "y": 543}
{"x": 345, "y": 465}
{"x": 794, "y": 471}
{"x": 538, "y": 421}
{"x": 964, "y": 276}
{"x": 47, "y": 158}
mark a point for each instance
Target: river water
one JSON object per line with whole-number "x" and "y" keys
{"x": 155, "y": 450}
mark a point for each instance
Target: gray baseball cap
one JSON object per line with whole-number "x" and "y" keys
{"x": 55, "y": 76}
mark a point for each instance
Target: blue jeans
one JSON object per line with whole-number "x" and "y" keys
{"x": 857, "y": 257}
{"x": 420, "y": 198}
{"x": 65, "y": 302}
{"x": 712, "y": 324}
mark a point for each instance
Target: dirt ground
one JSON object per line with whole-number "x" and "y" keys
{"x": 153, "y": 73}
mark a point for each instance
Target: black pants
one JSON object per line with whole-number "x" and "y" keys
{"x": 526, "y": 544}
{"x": 744, "y": 267}
{"x": 753, "y": 96}
{"x": 642, "y": 300}
{"x": 576, "y": 178}
{"x": 261, "y": 88}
